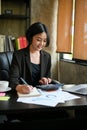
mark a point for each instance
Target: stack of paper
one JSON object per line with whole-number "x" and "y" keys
{"x": 49, "y": 98}
{"x": 3, "y": 96}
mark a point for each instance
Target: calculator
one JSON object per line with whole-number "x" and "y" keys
{"x": 49, "y": 86}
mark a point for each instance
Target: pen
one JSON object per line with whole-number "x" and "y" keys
{"x": 23, "y": 81}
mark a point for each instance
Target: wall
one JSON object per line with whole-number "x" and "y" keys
{"x": 72, "y": 73}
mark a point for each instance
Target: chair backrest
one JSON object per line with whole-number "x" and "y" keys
{"x": 5, "y": 62}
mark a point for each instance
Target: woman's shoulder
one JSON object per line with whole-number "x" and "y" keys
{"x": 20, "y": 51}
{"x": 45, "y": 52}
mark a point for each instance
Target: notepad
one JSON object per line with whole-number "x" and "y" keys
{"x": 34, "y": 92}
{"x": 4, "y": 98}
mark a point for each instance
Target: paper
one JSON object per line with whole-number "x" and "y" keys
{"x": 2, "y": 94}
{"x": 51, "y": 98}
{"x": 34, "y": 92}
{"x": 5, "y": 98}
{"x": 77, "y": 89}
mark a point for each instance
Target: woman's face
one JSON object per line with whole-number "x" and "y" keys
{"x": 39, "y": 41}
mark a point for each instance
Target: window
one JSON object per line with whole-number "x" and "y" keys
{"x": 72, "y": 29}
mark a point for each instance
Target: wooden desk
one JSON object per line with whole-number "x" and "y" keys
{"x": 12, "y": 106}
{"x": 38, "y": 114}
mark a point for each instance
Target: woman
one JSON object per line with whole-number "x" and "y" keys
{"x": 32, "y": 63}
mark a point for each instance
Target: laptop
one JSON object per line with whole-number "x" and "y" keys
{"x": 76, "y": 89}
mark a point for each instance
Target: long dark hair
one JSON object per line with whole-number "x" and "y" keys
{"x": 34, "y": 29}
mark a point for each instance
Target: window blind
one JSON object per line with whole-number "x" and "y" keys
{"x": 64, "y": 26}
{"x": 80, "y": 30}
{"x": 64, "y": 35}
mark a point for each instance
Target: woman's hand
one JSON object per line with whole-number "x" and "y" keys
{"x": 45, "y": 81}
{"x": 24, "y": 89}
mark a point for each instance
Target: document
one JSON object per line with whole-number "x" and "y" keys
{"x": 34, "y": 92}
{"x": 48, "y": 98}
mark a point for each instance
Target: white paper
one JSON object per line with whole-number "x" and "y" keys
{"x": 51, "y": 98}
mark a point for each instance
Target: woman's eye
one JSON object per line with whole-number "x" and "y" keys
{"x": 39, "y": 40}
{"x": 45, "y": 41}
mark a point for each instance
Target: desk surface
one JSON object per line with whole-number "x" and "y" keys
{"x": 12, "y": 106}
{"x": 40, "y": 115}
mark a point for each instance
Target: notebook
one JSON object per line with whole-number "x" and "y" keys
{"x": 77, "y": 89}
{"x": 34, "y": 92}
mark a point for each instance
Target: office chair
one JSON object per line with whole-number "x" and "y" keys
{"x": 5, "y": 62}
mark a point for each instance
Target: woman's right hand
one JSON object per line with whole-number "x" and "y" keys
{"x": 45, "y": 81}
{"x": 24, "y": 89}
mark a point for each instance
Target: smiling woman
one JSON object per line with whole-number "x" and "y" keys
{"x": 32, "y": 63}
